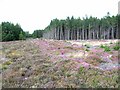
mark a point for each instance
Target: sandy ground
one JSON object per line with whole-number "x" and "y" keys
{"x": 93, "y": 42}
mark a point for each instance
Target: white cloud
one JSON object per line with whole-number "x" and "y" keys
{"x": 37, "y": 14}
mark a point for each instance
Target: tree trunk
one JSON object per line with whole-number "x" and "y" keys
{"x": 112, "y": 33}
{"x": 108, "y": 33}
{"x": 77, "y": 33}
{"x": 104, "y": 34}
{"x": 100, "y": 32}
{"x": 83, "y": 32}
{"x": 117, "y": 37}
{"x": 89, "y": 32}
{"x": 80, "y": 36}
{"x": 93, "y": 34}
{"x": 68, "y": 34}
{"x": 97, "y": 34}
{"x": 55, "y": 33}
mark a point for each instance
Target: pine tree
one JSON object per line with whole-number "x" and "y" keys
{"x": 21, "y": 36}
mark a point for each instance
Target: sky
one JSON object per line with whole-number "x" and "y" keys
{"x": 37, "y": 14}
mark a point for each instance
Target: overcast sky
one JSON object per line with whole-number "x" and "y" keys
{"x": 37, "y": 14}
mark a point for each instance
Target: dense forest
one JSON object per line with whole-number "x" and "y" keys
{"x": 83, "y": 29}
{"x": 37, "y": 34}
{"x": 12, "y": 32}
{"x": 68, "y": 29}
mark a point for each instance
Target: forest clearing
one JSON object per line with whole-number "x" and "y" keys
{"x": 42, "y": 63}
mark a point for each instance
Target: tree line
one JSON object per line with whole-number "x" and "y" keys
{"x": 69, "y": 29}
{"x": 12, "y": 32}
{"x": 83, "y": 29}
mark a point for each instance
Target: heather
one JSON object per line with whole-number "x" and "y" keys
{"x": 41, "y": 63}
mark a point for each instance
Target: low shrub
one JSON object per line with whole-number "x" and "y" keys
{"x": 87, "y": 50}
{"x": 7, "y": 63}
{"x": 111, "y": 42}
{"x": 88, "y": 46}
{"x": 116, "y": 47}
{"x": 106, "y": 48}
{"x": 102, "y": 46}
{"x": 4, "y": 67}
